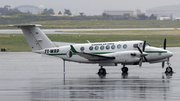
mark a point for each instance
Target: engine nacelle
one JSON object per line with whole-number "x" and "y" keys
{"x": 128, "y": 56}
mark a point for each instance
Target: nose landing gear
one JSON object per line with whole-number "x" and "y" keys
{"x": 169, "y": 69}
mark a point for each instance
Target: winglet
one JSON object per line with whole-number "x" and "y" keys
{"x": 73, "y": 49}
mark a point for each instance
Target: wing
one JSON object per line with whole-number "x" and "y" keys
{"x": 91, "y": 57}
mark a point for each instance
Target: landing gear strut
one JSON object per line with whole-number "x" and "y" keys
{"x": 124, "y": 69}
{"x": 102, "y": 71}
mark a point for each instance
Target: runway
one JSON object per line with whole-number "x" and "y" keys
{"x": 26, "y": 76}
{"x": 60, "y": 31}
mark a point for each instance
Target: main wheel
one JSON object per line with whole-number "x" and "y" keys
{"x": 124, "y": 69}
{"x": 102, "y": 71}
{"x": 169, "y": 70}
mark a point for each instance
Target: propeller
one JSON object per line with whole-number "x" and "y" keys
{"x": 142, "y": 54}
{"x": 164, "y": 49}
{"x": 164, "y": 44}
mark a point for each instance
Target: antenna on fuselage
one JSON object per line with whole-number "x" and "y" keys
{"x": 88, "y": 41}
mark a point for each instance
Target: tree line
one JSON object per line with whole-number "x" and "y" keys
{"x": 8, "y": 11}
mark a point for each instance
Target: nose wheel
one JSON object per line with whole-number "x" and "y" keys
{"x": 102, "y": 71}
{"x": 169, "y": 70}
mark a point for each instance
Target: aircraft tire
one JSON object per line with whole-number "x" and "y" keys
{"x": 169, "y": 70}
{"x": 124, "y": 69}
{"x": 102, "y": 71}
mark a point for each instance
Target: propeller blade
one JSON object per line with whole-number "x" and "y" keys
{"x": 139, "y": 49}
{"x": 162, "y": 64}
{"x": 144, "y": 45}
{"x": 146, "y": 59}
{"x": 142, "y": 54}
{"x": 140, "y": 62}
{"x": 164, "y": 43}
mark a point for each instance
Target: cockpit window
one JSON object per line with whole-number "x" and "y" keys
{"x": 141, "y": 44}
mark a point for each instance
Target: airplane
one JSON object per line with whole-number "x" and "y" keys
{"x": 102, "y": 53}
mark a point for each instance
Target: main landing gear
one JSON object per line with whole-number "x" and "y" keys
{"x": 102, "y": 71}
{"x": 124, "y": 69}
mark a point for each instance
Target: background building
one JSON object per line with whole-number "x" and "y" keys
{"x": 119, "y": 13}
{"x": 28, "y": 8}
{"x": 165, "y": 10}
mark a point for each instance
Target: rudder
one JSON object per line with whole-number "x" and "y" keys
{"x": 36, "y": 38}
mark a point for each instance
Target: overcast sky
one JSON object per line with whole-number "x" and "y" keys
{"x": 92, "y": 7}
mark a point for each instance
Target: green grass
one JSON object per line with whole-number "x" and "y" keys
{"x": 17, "y": 42}
{"x": 131, "y": 32}
{"x": 108, "y": 24}
{"x": 101, "y": 24}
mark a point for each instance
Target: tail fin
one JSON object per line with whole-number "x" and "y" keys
{"x": 36, "y": 38}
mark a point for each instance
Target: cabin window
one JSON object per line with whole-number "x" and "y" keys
{"x": 91, "y": 48}
{"x": 96, "y": 48}
{"x": 118, "y": 46}
{"x": 102, "y": 47}
{"x": 57, "y": 50}
{"x": 113, "y": 47}
{"x": 45, "y": 51}
{"x": 135, "y": 45}
{"x": 124, "y": 46}
{"x": 36, "y": 32}
{"x": 82, "y": 48}
{"x": 107, "y": 47}
{"x": 51, "y": 51}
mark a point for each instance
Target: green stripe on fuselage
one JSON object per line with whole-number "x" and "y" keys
{"x": 101, "y": 52}
{"x": 109, "y": 52}
{"x": 57, "y": 54}
{"x": 155, "y": 51}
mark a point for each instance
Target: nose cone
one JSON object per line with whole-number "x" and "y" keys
{"x": 169, "y": 54}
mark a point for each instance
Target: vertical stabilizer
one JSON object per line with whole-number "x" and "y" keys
{"x": 36, "y": 38}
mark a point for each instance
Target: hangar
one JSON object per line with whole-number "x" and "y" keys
{"x": 163, "y": 10}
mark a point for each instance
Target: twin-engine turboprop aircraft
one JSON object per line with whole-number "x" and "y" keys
{"x": 104, "y": 53}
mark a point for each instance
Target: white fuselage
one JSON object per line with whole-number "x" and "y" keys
{"x": 125, "y": 52}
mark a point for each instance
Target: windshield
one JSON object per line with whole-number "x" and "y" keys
{"x": 141, "y": 44}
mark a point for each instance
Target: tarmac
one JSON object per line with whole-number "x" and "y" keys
{"x": 27, "y": 76}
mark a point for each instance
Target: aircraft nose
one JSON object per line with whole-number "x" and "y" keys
{"x": 169, "y": 54}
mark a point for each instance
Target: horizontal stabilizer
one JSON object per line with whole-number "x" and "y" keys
{"x": 19, "y": 26}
